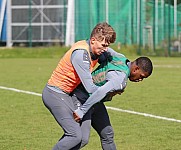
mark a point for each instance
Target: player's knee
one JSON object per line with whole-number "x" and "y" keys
{"x": 107, "y": 138}
{"x": 78, "y": 137}
{"x": 75, "y": 137}
{"x": 107, "y": 134}
{"x": 85, "y": 141}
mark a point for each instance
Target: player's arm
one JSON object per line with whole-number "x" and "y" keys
{"x": 113, "y": 52}
{"x": 119, "y": 81}
{"x": 114, "y": 83}
{"x": 106, "y": 56}
{"x": 81, "y": 62}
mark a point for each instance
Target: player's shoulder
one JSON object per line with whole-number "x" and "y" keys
{"x": 80, "y": 54}
{"x": 114, "y": 53}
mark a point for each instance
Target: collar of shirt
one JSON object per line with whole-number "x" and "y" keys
{"x": 93, "y": 57}
{"x": 129, "y": 65}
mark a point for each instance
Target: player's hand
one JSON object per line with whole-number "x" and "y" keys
{"x": 120, "y": 92}
{"x": 116, "y": 92}
{"x": 78, "y": 115}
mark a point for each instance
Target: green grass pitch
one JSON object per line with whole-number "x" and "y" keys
{"x": 25, "y": 124}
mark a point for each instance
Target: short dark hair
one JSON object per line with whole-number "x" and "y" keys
{"x": 104, "y": 30}
{"x": 145, "y": 64}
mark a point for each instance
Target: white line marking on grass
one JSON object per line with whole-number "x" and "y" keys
{"x": 167, "y": 66}
{"x": 20, "y": 91}
{"x": 112, "y": 108}
{"x": 143, "y": 114}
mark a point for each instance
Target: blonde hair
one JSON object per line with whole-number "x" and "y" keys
{"x": 104, "y": 31}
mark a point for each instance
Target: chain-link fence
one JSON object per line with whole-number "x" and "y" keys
{"x": 149, "y": 24}
{"x": 36, "y": 21}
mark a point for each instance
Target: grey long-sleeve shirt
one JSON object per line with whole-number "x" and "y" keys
{"x": 81, "y": 62}
{"x": 116, "y": 81}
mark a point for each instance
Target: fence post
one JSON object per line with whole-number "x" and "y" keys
{"x": 30, "y": 25}
{"x": 9, "y": 27}
{"x": 154, "y": 26}
{"x": 169, "y": 25}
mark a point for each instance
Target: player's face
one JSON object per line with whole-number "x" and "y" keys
{"x": 98, "y": 47}
{"x": 137, "y": 75}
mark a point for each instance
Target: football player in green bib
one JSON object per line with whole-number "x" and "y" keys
{"x": 112, "y": 76}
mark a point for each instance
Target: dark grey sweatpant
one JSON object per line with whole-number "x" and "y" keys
{"x": 98, "y": 118}
{"x": 75, "y": 135}
{"x": 61, "y": 107}
{"x": 101, "y": 123}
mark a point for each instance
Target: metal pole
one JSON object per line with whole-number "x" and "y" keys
{"x": 139, "y": 26}
{"x": 162, "y": 19}
{"x": 9, "y": 27}
{"x": 2, "y": 12}
{"x": 132, "y": 15}
{"x": 138, "y": 23}
{"x": 154, "y": 26}
{"x": 107, "y": 11}
{"x": 169, "y": 25}
{"x": 41, "y": 18}
{"x": 144, "y": 23}
{"x": 64, "y": 20}
{"x": 165, "y": 21}
{"x": 175, "y": 18}
{"x": 140, "y": 12}
{"x": 30, "y": 26}
{"x": 156, "y": 21}
{"x": 70, "y": 32}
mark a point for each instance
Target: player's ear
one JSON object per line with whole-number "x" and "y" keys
{"x": 136, "y": 68}
{"x": 92, "y": 40}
